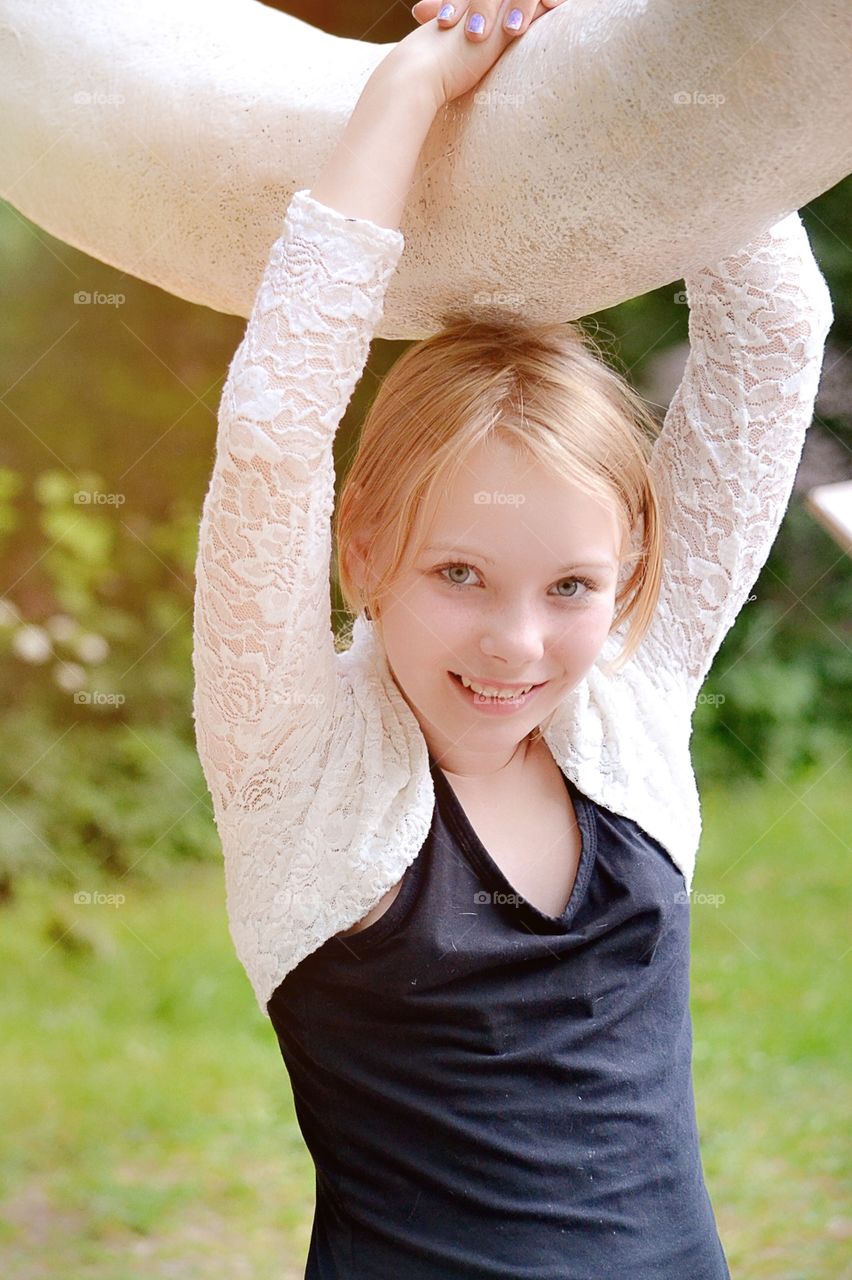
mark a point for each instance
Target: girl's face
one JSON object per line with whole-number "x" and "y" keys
{"x": 515, "y": 585}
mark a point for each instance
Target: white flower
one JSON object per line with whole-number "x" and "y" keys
{"x": 91, "y": 647}
{"x": 69, "y": 676}
{"x": 61, "y": 627}
{"x": 32, "y": 643}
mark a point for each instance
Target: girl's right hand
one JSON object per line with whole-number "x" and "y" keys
{"x": 453, "y": 58}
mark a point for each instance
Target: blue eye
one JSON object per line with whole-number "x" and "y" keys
{"x": 449, "y": 581}
{"x": 588, "y": 583}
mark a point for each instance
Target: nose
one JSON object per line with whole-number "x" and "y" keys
{"x": 516, "y": 639}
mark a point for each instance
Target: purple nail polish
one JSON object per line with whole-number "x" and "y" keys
{"x": 514, "y": 19}
{"x": 476, "y": 25}
{"x": 447, "y": 12}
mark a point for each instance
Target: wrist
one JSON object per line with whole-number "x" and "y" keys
{"x": 414, "y": 87}
{"x": 370, "y": 171}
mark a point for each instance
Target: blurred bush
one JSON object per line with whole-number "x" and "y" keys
{"x": 778, "y": 698}
{"x": 99, "y": 774}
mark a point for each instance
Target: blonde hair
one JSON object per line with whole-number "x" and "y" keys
{"x": 547, "y": 390}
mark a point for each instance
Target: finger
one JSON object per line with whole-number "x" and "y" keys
{"x": 529, "y": 10}
{"x": 513, "y": 17}
{"x": 449, "y": 14}
{"x": 517, "y": 16}
{"x": 481, "y": 18}
{"x": 426, "y": 10}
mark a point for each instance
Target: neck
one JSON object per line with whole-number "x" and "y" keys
{"x": 518, "y": 758}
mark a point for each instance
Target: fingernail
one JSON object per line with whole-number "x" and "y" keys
{"x": 514, "y": 19}
{"x": 447, "y": 12}
{"x": 476, "y": 24}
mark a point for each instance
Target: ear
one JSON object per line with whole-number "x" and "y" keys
{"x": 356, "y": 561}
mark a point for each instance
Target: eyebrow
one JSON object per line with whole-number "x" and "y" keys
{"x": 480, "y": 555}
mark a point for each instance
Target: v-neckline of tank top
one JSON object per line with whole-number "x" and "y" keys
{"x": 530, "y": 915}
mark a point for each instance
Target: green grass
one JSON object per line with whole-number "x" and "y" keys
{"x": 771, "y": 1019}
{"x": 147, "y": 1118}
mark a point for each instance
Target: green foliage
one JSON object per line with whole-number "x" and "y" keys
{"x": 779, "y": 695}
{"x": 86, "y": 800}
{"x": 100, "y": 774}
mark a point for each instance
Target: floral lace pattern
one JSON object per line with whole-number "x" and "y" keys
{"x": 317, "y": 767}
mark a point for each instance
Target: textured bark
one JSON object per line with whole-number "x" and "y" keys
{"x": 616, "y": 146}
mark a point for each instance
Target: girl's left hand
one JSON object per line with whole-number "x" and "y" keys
{"x": 426, "y": 10}
{"x": 444, "y": 58}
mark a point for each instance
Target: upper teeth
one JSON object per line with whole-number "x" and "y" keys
{"x": 495, "y": 693}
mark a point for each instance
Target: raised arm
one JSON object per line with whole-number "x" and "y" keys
{"x": 726, "y": 458}
{"x": 263, "y": 644}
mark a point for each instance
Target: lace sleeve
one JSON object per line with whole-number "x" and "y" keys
{"x": 726, "y": 458}
{"x": 263, "y": 645}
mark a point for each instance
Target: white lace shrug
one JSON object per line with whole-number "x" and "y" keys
{"x": 317, "y": 767}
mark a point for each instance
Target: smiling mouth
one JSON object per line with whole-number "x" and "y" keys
{"x": 506, "y": 696}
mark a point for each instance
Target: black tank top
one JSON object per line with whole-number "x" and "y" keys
{"x": 492, "y": 1093}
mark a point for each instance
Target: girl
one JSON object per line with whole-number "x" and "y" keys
{"x": 459, "y": 852}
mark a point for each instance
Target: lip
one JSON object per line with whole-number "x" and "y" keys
{"x": 501, "y": 684}
{"x": 495, "y": 706}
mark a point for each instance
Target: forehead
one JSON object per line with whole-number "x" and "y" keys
{"x": 501, "y": 498}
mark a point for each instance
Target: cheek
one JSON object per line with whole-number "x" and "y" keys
{"x": 421, "y": 634}
{"x": 585, "y": 633}
{"x": 440, "y": 618}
